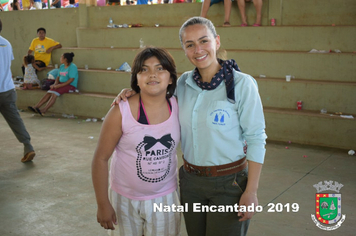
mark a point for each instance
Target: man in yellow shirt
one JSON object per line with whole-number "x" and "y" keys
{"x": 43, "y": 47}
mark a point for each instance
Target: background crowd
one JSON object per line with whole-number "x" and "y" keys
{"x": 43, "y": 4}
{"x": 15, "y": 5}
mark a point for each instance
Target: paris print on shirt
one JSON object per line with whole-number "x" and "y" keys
{"x": 153, "y": 161}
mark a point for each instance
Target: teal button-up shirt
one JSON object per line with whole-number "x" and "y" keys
{"x": 213, "y": 130}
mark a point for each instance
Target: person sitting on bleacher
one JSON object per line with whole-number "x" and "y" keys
{"x": 56, "y": 4}
{"x": 113, "y": 3}
{"x": 16, "y": 5}
{"x": 66, "y": 81}
{"x": 71, "y": 4}
{"x": 258, "y": 6}
{"x": 42, "y": 48}
{"x": 227, "y": 8}
{"x": 144, "y": 2}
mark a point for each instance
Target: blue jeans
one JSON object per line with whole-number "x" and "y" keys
{"x": 213, "y": 191}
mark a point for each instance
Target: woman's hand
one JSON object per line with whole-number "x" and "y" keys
{"x": 247, "y": 199}
{"x": 55, "y": 86}
{"x": 123, "y": 95}
{"x": 106, "y": 216}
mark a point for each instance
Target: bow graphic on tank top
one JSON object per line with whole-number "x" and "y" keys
{"x": 165, "y": 140}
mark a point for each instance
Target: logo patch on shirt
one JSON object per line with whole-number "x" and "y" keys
{"x": 63, "y": 73}
{"x": 219, "y": 117}
{"x": 154, "y": 158}
{"x": 40, "y": 48}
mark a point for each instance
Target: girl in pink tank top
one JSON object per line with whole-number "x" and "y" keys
{"x": 141, "y": 134}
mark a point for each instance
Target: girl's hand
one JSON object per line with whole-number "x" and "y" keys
{"x": 247, "y": 199}
{"x": 123, "y": 95}
{"x": 53, "y": 86}
{"x": 106, "y": 216}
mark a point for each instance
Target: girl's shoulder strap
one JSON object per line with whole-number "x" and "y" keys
{"x": 173, "y": 101}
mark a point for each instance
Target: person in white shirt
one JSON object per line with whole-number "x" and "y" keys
{"x": 8, "y": 100}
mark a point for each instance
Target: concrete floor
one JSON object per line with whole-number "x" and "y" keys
{"x": 53, "y": 195}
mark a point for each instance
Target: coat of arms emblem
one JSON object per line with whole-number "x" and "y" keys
{"x": 328, "y": 206}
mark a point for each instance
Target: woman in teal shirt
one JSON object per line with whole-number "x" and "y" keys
{"x": 65, "y": 82}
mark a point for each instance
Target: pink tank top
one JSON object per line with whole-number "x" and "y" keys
{"x": 144, "y": 163}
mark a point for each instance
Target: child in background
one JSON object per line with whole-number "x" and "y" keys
{"x": 143, "y": 132}
{"x": 30, "y": 77}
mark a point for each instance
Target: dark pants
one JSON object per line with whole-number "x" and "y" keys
{"x": 9, "y": 111}
{"x": 57, "y": 5}
{"x": 213, "y": 191}
{"x": 39, "y": 64}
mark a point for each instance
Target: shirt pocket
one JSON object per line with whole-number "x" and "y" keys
{"x": 221, "y": 116}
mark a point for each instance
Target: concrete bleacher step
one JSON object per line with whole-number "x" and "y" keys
{"x": 302, "y": 65}
{"x": 310, "y": 127}
{"x": 168, "y": 14}
{"x": 316, "y": 66}
{"x": 316, "y": 95}
{"x": 316, "y": 12}
{"x": 300, "y": 126}
{"x": 101, "y": 81}
{"x": 80, "y": 104}
{"x": 286, "y": 12}
{"x": 289, "y": 38}
{"x": 321, "y": 80}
